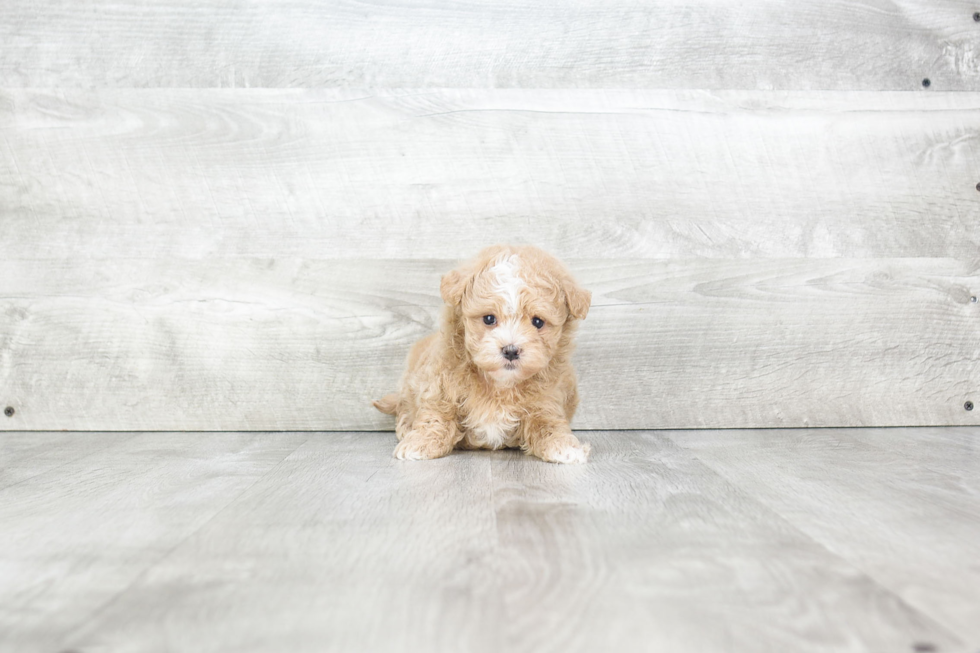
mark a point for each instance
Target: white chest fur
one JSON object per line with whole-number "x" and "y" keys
{"x": 489, "y": 426}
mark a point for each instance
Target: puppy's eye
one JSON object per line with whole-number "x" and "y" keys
{"x": 537, "y": 322}
{"x": 489, "y": 320}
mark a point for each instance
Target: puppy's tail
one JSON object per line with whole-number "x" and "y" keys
{"x": 387, "y": 404}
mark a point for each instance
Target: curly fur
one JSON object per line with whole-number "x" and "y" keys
{"x": 460, "y": 390}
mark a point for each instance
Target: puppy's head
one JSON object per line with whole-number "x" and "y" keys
{"x": 512, "y": 306}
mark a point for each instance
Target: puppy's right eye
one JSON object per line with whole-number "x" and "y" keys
{"x": 489, "y": 320}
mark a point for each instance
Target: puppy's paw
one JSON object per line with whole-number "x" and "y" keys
{"x": 407, "y": 450}
{"x": 567, "y": 452}
{"x": 414, "y": 447}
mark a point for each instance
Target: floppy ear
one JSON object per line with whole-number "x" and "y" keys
{"x": 578, "y": 299}
{"x": 452, "y": 286}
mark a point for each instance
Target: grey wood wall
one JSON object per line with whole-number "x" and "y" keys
{"x": 225, "y": 215}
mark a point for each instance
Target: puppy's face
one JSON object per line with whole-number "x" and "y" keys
{"x": 514, "y": 304}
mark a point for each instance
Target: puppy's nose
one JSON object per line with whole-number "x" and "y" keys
{"x": 511, "y": 352}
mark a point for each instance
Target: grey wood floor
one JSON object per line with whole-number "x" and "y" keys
{"x": 813, "y": 540}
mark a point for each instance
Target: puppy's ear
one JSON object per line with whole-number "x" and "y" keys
{"x": 452, "y": 286}
{"x": 578, "y": 298}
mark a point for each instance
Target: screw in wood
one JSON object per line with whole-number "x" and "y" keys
{"x": 968, "y": 405}
{"x": 926, "y": 83}
{"x": 976, "y": 17}
{"x": 973, "y": 299}
{"x": 9, "y": 411}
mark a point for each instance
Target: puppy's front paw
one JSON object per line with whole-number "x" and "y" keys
{"x": 569, "y": 451}
{"x": 408, "y": 451}
{"x": 415, "y": 447}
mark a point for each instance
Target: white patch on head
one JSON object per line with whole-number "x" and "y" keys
{"x": 508, "y": 284}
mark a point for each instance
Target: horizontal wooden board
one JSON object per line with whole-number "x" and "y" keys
{"x": 440, "y": 174}
{"x": 753, "y": 44}
{"x": 131, "y": 344}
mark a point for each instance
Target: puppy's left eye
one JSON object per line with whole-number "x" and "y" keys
{"x": 537, "y": 322}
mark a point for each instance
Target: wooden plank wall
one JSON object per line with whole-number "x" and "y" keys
{"x": 217, "y": 216}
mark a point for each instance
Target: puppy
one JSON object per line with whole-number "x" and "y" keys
{"x": 498, "y": 373}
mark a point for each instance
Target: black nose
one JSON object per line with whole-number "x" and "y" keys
{"x": 511, "y": 352}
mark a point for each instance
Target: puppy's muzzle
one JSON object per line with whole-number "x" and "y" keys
{"x": 511, "y": 352}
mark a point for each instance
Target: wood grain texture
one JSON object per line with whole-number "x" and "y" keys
{"x": 755, "y": 44}
{"x": 646, "y": 549}
{"x": 304, "y": 344}
{"x": 338, "y": 549}
{"x": 916, "y": 512}
{"x": 77, "y": 535}
{"x": 441, "y": 173}
{"x": 322, "y": 542}
{"x": 25, "y": 457}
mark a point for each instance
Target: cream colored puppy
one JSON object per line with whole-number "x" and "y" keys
{"x": 497, "y": 374}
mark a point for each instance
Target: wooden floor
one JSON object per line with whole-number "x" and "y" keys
{"x": 669, "y": 541}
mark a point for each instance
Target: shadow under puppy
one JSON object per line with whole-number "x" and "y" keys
{"x": 498, "y": 373}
